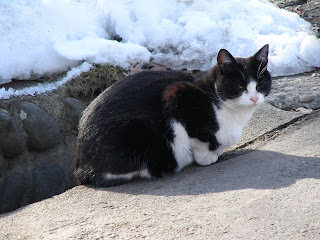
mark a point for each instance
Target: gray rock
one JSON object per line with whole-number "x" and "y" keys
{"x": 42, "y": 130}
{"x": 74, "y": 108}
{"x": 306, "y": 98}
{"x": 11, "y": 140}
{"x": 292, "y": 92}
{"x": 48, "y": 180}
{"x": 12, "y": 190}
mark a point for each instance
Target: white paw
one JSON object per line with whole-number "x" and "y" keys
{"x": 219, "y": 151}
{"x": 205, "y": 160}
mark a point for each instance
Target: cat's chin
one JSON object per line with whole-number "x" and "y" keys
{"x": 259, "y": 102}
{"x": 234, "y": 106}
{"x": 254, "y": 105}
{"x": 255, "y": 102}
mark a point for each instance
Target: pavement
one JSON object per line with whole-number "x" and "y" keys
{"x": 266, "y": 187}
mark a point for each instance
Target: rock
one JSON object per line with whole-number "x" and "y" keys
{"x": 42, "y": 130}
{"x": 48, "y": 180}
{"x": 310, "y": 16}
{"x": 315, "y": 75}
{"x": 74, "y": 108}
{"x": 304, "y": 110}
{"x": 11, "y": 140}
{"x": 13, "y": 189}
{"x": 305, "y": 92}
{"x": 306, "y": 98}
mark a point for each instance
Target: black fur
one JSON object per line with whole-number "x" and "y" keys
{"x": 127, "y": 127}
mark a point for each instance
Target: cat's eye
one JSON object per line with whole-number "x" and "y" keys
{"x": 243, "y": 87}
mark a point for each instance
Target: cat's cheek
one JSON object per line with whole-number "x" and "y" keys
{"x": 251, "y": 99}
{"x": 245, "y": 100}
{"x": 260, "y": 99}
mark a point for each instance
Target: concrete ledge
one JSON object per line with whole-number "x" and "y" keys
{"x": 270, "y": 190}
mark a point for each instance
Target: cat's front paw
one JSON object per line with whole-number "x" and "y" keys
{"x": 219, "y": 151}
{"x": 206, "y": 160}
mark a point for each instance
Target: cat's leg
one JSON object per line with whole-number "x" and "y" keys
{"x": 122, "y": 150}
{"x": 189, "y": 105}
{"x": 201, "y": 153}
{"x": 219, "y": 151}
{"x": 180, "y": 145}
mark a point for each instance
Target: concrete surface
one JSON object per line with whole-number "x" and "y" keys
{"x": 265, "y": 119}
{"x": 267, "y": 190}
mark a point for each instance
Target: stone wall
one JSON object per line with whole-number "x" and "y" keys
{"x": 37, "y": 136}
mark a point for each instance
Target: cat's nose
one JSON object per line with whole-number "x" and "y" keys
{"x": 254, "y": 99}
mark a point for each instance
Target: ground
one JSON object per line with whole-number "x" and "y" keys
{"x": 267, "y": 188}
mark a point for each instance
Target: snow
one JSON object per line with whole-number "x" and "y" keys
{"x": 45, "y": 87}
{"x": 45, "y": 36}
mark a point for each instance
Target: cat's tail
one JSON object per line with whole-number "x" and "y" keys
{"x": 88, "y": 176}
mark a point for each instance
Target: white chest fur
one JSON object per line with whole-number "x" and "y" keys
{"x": 185, "y": 149}
{"x": 231, "y": 123}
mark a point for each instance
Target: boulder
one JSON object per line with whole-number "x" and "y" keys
{"x": 13, "y": 189}
{"x": 74, "y": 108}
{"x": 12, "y": 142}
{"x": 48, "y": 180}
{"x": 41, "y": 129}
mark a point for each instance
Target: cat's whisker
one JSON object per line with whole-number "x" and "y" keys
{"x": 260, "y": 73}
{"x": 263, "y": 70}
{"x": 231, "y": 105}
{"x": 238, "y": 105}
{"x": 214, "y": 95}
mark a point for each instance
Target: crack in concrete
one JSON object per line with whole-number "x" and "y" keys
{"x": 267, "y": 136}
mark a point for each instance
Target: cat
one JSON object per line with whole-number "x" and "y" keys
{"x": 151, "y": 124}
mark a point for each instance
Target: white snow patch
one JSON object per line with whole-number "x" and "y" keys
{"x": 45, "y": 87}
{"x": 45, "y": 36}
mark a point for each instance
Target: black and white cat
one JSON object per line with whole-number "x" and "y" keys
{"x": 152, "y": 124}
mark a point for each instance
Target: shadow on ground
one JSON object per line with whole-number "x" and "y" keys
{"x": 240, "y": 170}
{"x": 249, "y": 170}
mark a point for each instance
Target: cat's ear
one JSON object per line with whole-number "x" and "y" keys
{"x": 262, "y": 54}
{"x": 225, "y": 59}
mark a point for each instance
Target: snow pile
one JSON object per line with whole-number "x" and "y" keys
{"x": 43, "y": 36}
{"x": 38, "y": 37}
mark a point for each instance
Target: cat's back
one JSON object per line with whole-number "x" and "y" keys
{"x": 138, "y": 94}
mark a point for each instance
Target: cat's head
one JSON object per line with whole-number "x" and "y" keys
{"x": 243, "y": 82}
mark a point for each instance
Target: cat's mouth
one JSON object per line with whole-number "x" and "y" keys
{"x": 242, "y": 105}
